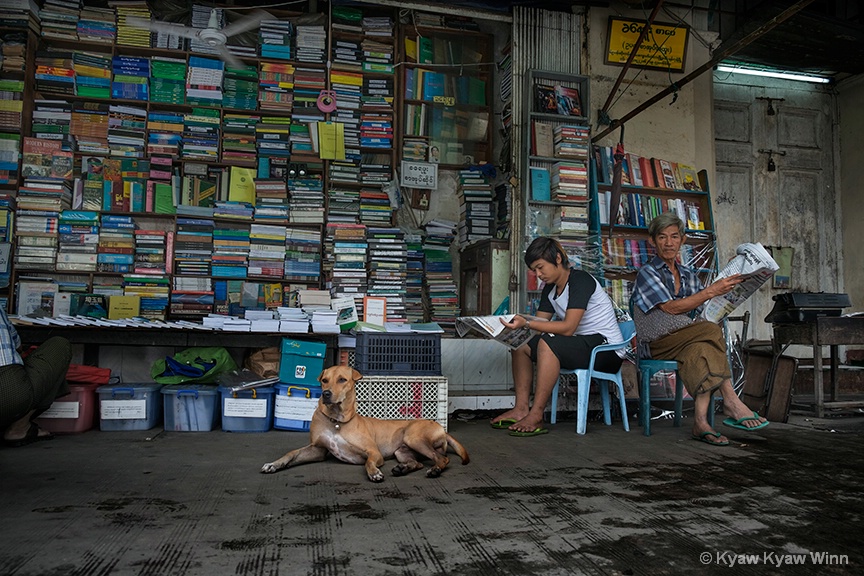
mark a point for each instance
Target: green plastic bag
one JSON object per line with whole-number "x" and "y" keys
{"x": 198, "y": 365}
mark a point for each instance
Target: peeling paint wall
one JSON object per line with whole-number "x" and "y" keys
{"x": 850, "y": 105}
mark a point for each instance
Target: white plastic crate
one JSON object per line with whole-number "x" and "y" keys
{"x": 403, "y": 397}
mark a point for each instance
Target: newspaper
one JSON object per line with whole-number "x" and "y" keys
{"x": 756, "y": 266}
{"x": 492, "y": 328}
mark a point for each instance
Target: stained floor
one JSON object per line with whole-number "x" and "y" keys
{"x": 170, "y": 503}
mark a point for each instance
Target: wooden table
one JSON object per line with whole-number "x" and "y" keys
{"x": 94, "y": 336}
{"x": 825, "y": 331}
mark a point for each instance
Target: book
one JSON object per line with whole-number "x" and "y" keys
{"x": 121, "y": 306}
{"x": 543, "y": 140}
{"x": 568, "y": 101}
{"x": 540, "y": 184}
{"x": 545, "y": 100}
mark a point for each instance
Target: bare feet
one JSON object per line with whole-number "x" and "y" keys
{"x": 700, "y": 428}
{"x": 527, "y": 424}
{"x": 514, "y": 414}
{"x": 737, "y": 410}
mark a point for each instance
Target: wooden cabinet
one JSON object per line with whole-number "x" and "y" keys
{"x": 445, "y": 96}
{"x": 485, "y": 276}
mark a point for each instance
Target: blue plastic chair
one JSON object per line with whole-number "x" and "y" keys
{"x": 583, "y": 382}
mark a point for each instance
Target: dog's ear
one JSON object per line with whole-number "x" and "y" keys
{"x": 356, "y": 375}
{"x": 321, "y": 376}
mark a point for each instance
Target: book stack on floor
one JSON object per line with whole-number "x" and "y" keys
{"x": 443, "y": 299}
{"x": 78, "y": 241}
{"x": 476, "y": 207}
{"x": 388, "y": 269}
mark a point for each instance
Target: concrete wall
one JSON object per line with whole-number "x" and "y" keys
{"x": 851, "y": 185}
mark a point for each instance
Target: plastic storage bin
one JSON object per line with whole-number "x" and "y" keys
{"x": 73, "y": 413}
{"x": 302, "y": 361}
{"x": 247, "y": 410}
{"x": 294, "y": 406}
{"x": 129, "y": 406}
{"x": 398, "y": 354}
{"x": 190, "y": 407}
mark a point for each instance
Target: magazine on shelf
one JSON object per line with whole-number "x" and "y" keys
{"x": 492, "y": 328}
{"x": 756, "y": 265}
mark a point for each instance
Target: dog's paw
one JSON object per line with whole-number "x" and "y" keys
{"x": 400, "y": 470}
{"x": 269, "y": 468}
{"x": 434, "y": 472}
{"x": 377, "y": 476}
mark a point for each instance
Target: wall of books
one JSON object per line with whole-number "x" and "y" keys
{"x": 136, "y": 161}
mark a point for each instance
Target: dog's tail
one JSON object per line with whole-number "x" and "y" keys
{"x": 456, "y": 447}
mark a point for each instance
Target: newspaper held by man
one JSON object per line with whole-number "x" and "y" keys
{"x": 755, "y": 265}
{"x": 491, "y": 327}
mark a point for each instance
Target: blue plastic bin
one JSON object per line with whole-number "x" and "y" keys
{"x": 247, "y": 410}
{"x": 190, "y": 407}
{"x": 129, "y": 406}
{"x": 294, "y": 406}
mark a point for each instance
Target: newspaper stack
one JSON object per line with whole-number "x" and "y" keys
{"x": 756, "y": 265}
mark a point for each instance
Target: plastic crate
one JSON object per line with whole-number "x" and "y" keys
{"x": 398, "y": 354}
{"x": 403, "y": 397}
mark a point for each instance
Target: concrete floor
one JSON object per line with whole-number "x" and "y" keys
{"x": 170, "y": 503}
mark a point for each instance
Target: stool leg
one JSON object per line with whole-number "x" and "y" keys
{"x": 553, "y": 417}
{"x": 645, "y": 403}
{"x": 679, "y": 401}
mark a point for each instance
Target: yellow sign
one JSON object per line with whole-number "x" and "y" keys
{"x": 446, "y": 100}
{"x": 663, "y": 48}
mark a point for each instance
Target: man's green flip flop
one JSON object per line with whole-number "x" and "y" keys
{"x": 703, "y": 437}
{"x": 505, "y": 423}
{"x": 535, "y": 432}
{"x": 739, "y": 423}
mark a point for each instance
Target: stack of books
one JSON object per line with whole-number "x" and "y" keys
{"x": 116, "y": 250}
{"x": 193, "y": 246}
{"x": 443, "y": 299}
{"x": 476, "y": 207}
{"x": 308, "y": 84}
{"x": 55, "y": 72}
{"x": 569, "y": 181}
{"x": 97, "y": 25}
{"x": 275, "y": 39}
{"x": 59, "y": 19}
{"x": 241, "y": 88}
{"x": 154, "y": 292}
{"x": 273, "y": 136}
{"x": 233, "y": 210}
{"x": 267, "y": 251}
{"x": 89, "y": 128}
{"x": 52, "y": 120}
{"x": 343, "y": 204}
{"x": 230, "y": 251}
{"x": 164, "y": 133}
{"x": 375, "y": 207}
{"x": 92, "y": 74}
{"x": 311, "y": 44}
{"x": 388, "y": 269}
{"x": 201, "y": 20}
{"x": 302, "y": 255}
{"x": 414, "y": 280}
{"x": 126, "y": 128}
{"x": 276, "y": 86}
{"x": 151, "y": 251}
{"x": 238, "y": 138}
{"x": 201, "y": 135}
{"x": 191, "y": 298}
{"x": 306, "y": 200}
{"x": 345, "y": 254}
{"x": 10, "y": 146}
{"x": 204, "y": 81}
{"x": 271, "y": 199}
{"x": 571, "y": 141}
{"x": 167, "y": 80}
{"x": 132, "y": 35}
{"x": 78, "y": 241}
{"x": 131, "y": 78}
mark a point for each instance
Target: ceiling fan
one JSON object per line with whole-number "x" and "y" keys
{"x": 211, "y": 35}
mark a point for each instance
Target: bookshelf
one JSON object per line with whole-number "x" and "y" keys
{"x": 627, "y": 248}
{"x": 445, "y": 95}
{"x": 556, "y": 170}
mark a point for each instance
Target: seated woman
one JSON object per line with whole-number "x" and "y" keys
{"x": 665, "y": 295}
{"x": 586, "y": 319}
{"x": 29, "y": 386}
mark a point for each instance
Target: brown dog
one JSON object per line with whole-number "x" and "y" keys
{"x": 338, "y": 429}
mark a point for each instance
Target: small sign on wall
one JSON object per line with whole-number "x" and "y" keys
{"x": 419, "y": 175}
{"x": 663, "y": 48}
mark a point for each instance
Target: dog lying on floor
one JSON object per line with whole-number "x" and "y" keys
{"x": 338, "y": 429}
